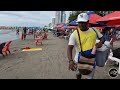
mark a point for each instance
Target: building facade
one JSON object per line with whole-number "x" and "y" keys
{"x": 53, "y": 22}
{"x": 60, "y": 17}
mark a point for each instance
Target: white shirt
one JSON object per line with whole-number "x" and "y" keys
{"x": 73, "y": 41}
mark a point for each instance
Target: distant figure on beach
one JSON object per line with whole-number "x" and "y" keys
{"x": 84, "y": 40}
{"x": 17, "y": 32}
{"x": 1, "y": 47}
{"x": 34, "y": 33}
{"x": 25, "y": 32}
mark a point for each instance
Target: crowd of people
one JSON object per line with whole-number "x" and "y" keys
{"x": 83, "y": 39}
{"x": 35, "y": 32}
{"x": 25, "y": 31}
{"x": 62, "y": 33}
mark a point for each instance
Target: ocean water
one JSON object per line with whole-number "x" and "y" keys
{"x": 7, "y": 35}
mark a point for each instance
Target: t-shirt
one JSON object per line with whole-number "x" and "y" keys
{"x": 73, "y": 41}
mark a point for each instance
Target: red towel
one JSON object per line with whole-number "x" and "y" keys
{"x": 22, "y": 37}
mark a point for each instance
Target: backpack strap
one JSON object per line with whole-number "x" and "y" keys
{"x": 83, "y": 54}
{"x": 96, "y": 33}
{"x": 79, "y": 40}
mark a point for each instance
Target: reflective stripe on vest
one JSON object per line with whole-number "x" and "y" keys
{"x": 88, "y": 39}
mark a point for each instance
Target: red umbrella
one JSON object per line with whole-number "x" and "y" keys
{"x": 59, "y": 25}
{"x": 62, "y": 28}
{"x": 72, "y": 27}
{"x": 117, "y": 26}
{"x": 111, "y": 19}
{"x": 93, "y": 18}
{"x": 114, "y": 22}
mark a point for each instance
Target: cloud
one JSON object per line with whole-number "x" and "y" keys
{"x": 26, "y": 18}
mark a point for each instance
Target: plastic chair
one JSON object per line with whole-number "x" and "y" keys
{"x": 46, "y": 36}
{"x": 39, "y": 40}
{"x": 6, "y": 48}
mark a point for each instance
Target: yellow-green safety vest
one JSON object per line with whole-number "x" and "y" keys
{"x": 88, "y": 39}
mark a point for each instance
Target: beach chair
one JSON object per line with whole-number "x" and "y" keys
{"x": 37, "y": 34}
{"x": 45, "y": 36}
{"x": 38, "y": 40}
{"x": 6, "y": 48}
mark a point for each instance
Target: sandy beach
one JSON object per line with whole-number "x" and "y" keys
{"x": 50, "y": 63}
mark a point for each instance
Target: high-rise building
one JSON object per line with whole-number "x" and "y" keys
{"x": 60, "y": 17}
{"x": 57, "y": 16}
{"x": 63, "y": 17}
{"x": 50, "y": 24}
{"x": 53, "y": 22}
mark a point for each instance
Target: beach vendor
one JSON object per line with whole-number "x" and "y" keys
{"x": 84, "y": 40}
{"x": 25, "y": 32}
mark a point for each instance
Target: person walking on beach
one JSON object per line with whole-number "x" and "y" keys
{"x": 17, "y": 32}
{"x": 25, "y": 32}
{"x": 84, "y": 40}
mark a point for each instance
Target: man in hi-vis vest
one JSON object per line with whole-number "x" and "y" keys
{"x": 84, "y": 40}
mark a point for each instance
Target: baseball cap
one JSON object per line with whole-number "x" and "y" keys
{"x": 82, "y": 17}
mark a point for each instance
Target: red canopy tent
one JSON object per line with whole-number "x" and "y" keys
{"x": 117, "y": 26}
{"x": 62, "y": 28}
{"x": 111, "y": 19}
{"x": 59, "y": 25}
{"x": 93, "y": 18}
{"x": 113, "y": 22}
{"x": 72, "y": 27}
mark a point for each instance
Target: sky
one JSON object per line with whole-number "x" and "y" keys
{"x": 27, "y": 18}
